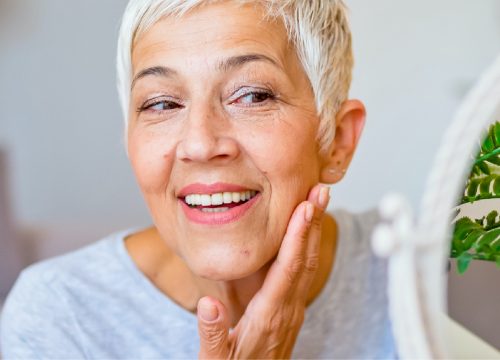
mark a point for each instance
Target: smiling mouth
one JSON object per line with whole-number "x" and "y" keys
{"x": 218, "y": 202}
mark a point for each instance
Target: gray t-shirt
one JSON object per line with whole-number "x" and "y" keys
{"x": 94, "y": 303}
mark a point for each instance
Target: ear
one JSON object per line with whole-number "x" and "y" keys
{"x": 349, "y": 123}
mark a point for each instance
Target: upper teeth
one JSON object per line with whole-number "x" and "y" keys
{"x": 219, "y": 198}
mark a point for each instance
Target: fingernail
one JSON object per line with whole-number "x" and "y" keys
{"x": 207, "y": 310}
{"x": 324, "y": 196}
{"x": 309, "y": 213}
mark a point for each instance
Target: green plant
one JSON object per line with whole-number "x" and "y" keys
{"x": 479, "y": 239}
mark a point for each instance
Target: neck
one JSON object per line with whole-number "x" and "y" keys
{"x": 234, "y": 294}
{"x": 159, "y": 263}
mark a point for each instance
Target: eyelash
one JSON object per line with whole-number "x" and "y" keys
{"x": 148, "y": 105}
{"x": 256, "y": 92}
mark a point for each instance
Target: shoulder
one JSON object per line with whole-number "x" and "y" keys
{"x": 37, "y": 308}
{"x": 87, "y": 266}
{"x": 76, "y": 268}
{"x": 358, "y": 227}
{"x": 356, "y": 258}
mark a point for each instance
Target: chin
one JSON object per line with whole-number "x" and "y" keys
{"x": 231, "y": 265}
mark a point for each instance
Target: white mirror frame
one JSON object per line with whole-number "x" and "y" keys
{"x": 418, "y": 250}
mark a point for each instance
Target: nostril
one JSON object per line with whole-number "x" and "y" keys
{"x": 223, "y": 156}
{"x": 207, "y": 149}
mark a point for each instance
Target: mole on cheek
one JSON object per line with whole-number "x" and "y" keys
{"x": 245, "y": 252}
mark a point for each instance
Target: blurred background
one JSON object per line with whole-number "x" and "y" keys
{"x": 64, "y": 176}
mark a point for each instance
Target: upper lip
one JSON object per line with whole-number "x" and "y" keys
{"x": 198, "y": 188}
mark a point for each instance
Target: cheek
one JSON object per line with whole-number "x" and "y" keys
{"x": 287, "y": 157}
{"x": 286, "y": 144}
{"x": 151, "y": 161}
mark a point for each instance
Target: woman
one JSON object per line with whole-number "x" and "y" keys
{"x": 236, "y": 111}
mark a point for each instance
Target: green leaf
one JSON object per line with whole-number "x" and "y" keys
{"x": 471, "y": 239}
{"x": 496, "y": 246}
{"x": 472, "y": 187}
{"x": 495, "y": 160}
{"x": 463, "y": 262}
{"x": 491, "y": 218}
{"x": 478, "y": 188}
{"x": 479, "y": 238}
{"x": 496, "y": 133}
{"x": 487, "y": 239}
{"x": 488, "y": 144}
{"x": 496, "y": 186}
{"x": 457, "y": 247}
{"x": 475, "y": 171}
{"x": 484, "y": 168}
{"x": 464, "y": 226}
{"x": 484, "y": 186}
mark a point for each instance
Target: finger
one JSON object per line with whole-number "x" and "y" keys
{"x": 319, "y": 196}
{"x": 298, "y": 257}
{"x": 312, "y": 255}
{"x": 285, "y": 270}
{"x": 213, "y": 328}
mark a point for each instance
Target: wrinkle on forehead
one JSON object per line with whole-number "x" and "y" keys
{"x": 199, "y": 28}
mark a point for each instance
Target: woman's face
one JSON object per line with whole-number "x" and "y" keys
{"x": 222, "y": 110}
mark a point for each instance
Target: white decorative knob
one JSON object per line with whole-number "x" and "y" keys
{"x": 384, "y": 241}
{"x": 387, "y": 237}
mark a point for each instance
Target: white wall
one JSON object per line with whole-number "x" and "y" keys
{"x": 60, "y": 119}
{"x": 415, "y": 61}
{"x": 10, "y": 254}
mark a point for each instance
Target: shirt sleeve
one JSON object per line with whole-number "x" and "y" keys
{"x": 36, "y": 322}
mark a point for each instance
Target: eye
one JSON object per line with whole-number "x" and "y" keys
{"x": 159, "y": 105}
{"x": 254, "y": 97}
{"x": 163, "y": 105}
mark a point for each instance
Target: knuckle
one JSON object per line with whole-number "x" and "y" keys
{"x": 276, "y": 322}
{"x": 286, "y": 318}
{"x": 270, "y": 326}
{"x": 294, "y": 269}
{"x": 316, "y": 222}
{"x": 304, "y": 232}
{"x": 212, "y": 337}
{"x": 312, "y": 263}
{"x": 280, "y": 326}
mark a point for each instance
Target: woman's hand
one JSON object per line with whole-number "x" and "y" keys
{"x": 272, "y": 320}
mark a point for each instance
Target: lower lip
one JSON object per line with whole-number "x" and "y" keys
{"x": 220, "y": 218}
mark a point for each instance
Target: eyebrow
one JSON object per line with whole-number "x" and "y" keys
{"x": 162, "y": 71}
{"x": 224, "y": 65}
{"x": 233, "y": 62}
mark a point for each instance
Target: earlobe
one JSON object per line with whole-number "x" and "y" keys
{"x": 349, "y": 124}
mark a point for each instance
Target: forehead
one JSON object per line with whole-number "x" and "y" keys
{"x": 211, "y": 31}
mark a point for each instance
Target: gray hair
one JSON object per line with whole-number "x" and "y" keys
{"x": 319, "y": 30}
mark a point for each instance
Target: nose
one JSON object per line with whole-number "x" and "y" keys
{"x": 206, "y": 137}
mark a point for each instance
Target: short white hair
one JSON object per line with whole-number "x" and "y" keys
{"x": 318, "y": 29}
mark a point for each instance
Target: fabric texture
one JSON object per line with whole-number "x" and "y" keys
{"x": 95, "y": 303}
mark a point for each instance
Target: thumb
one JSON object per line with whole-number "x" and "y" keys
{"x": 213, "y": 329}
